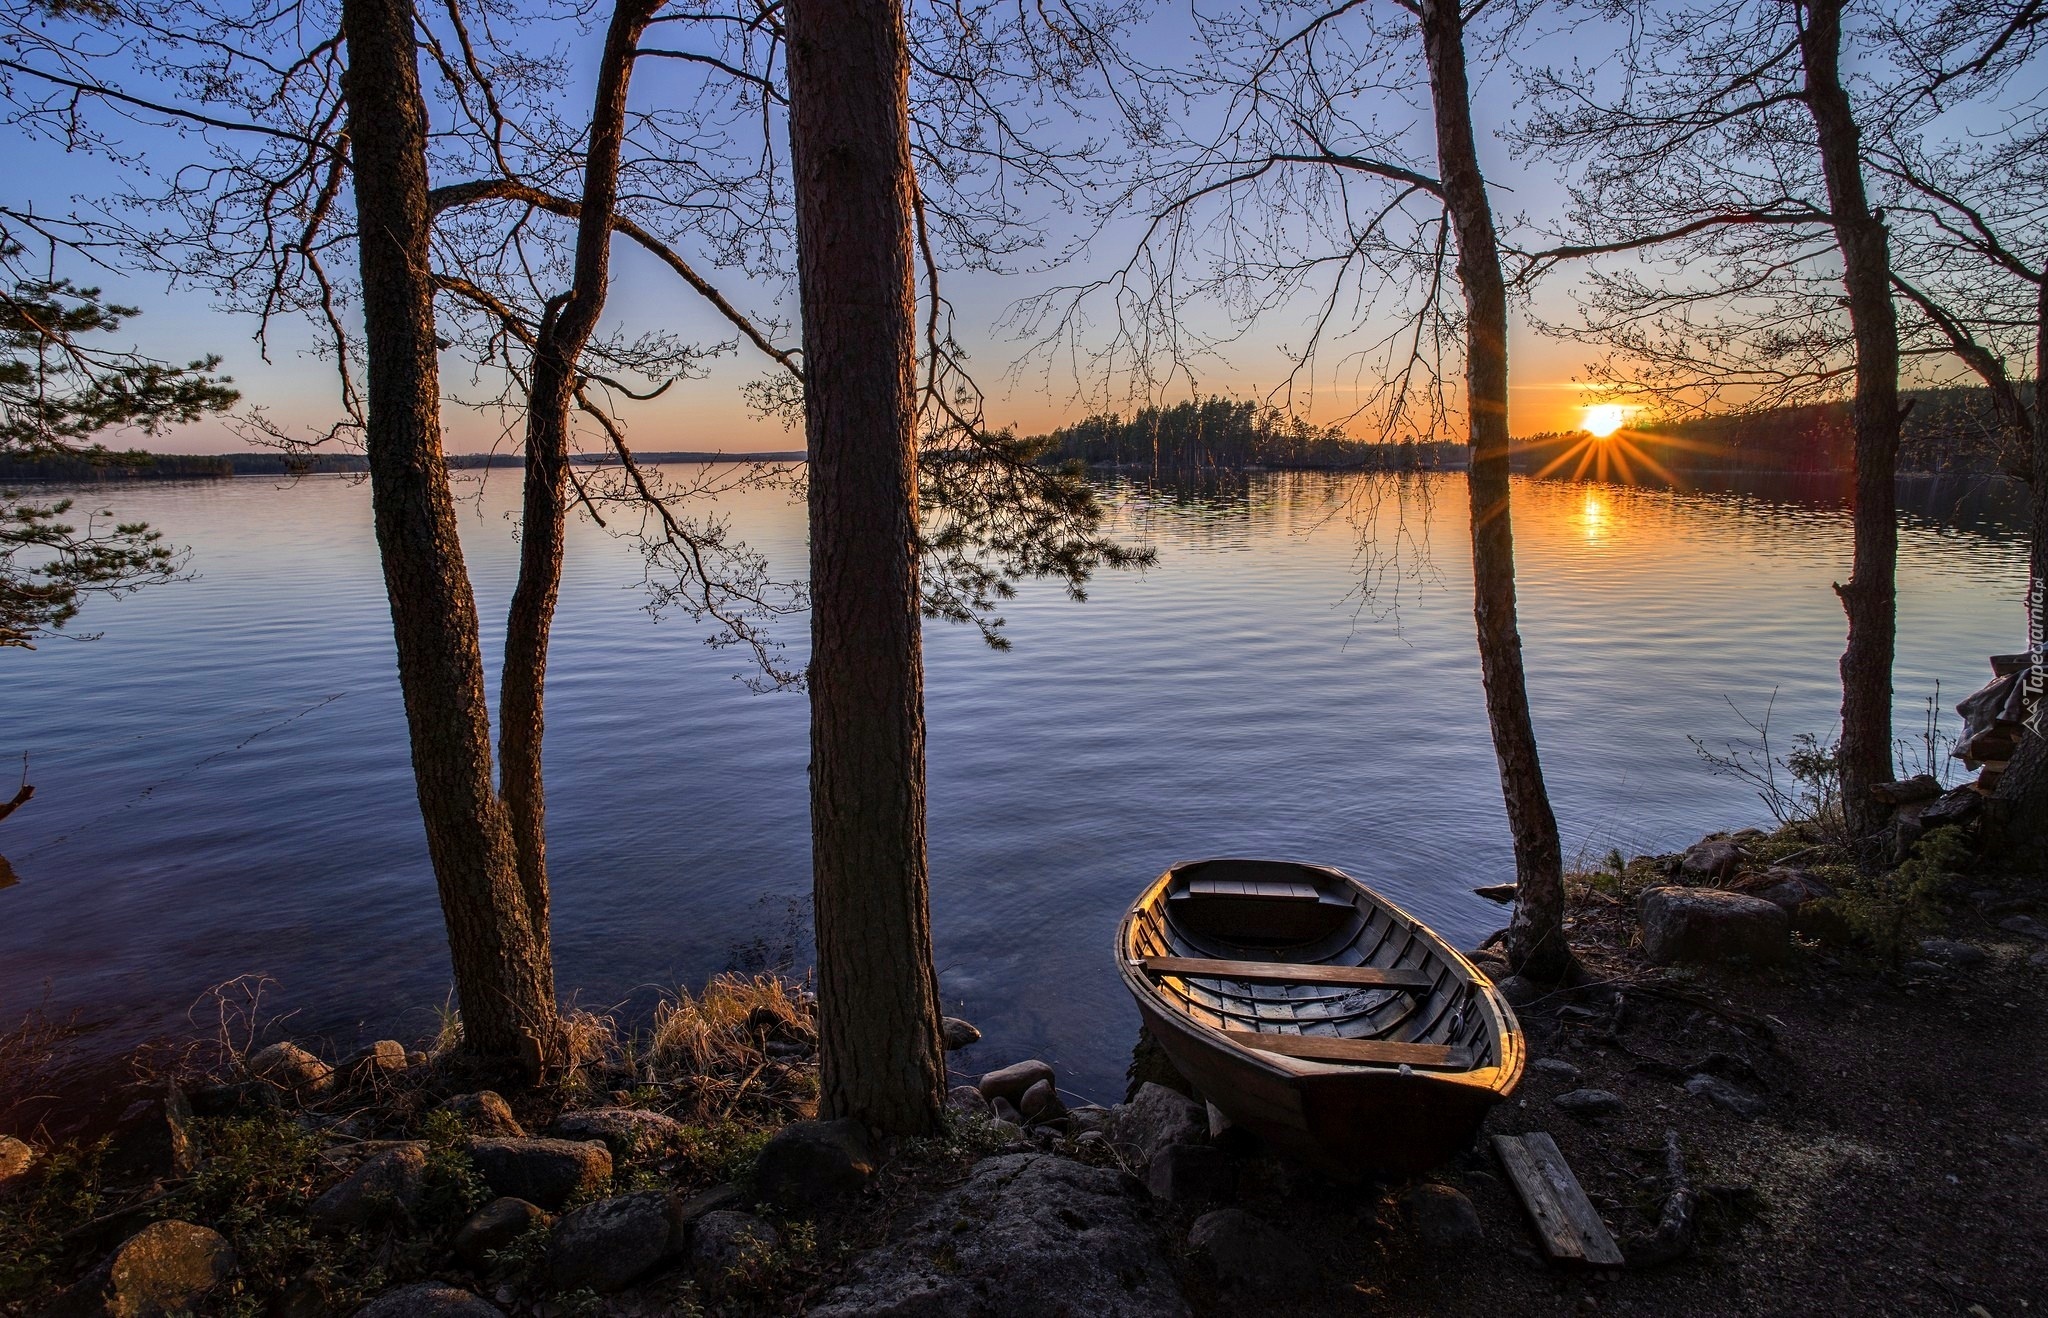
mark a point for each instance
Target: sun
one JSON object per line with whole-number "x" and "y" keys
{"x": 1603, "y": 419}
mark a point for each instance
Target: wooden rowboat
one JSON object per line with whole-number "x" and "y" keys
{"x": 1317, "y": 1014}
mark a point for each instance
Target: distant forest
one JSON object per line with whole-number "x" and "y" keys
{"x": 1229, "y": 433}
{"x": 184, "y": 467}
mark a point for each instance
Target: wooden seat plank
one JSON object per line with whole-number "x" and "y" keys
{"x": 1566, "y": 1221}
{"x": 1289, "y": 972}
{"x": 1381, "y": 1052}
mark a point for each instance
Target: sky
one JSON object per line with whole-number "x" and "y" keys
{"x": 292, "y": 384}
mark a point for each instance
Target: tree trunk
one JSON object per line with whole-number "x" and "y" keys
{"x": 564, "y": 332}
{"x": 2019, "y": 807}
{"x": 1871, "y": 597}
{"x": 878, "y": 1008}
{"x": 502, "y": 973}
{"x": 1536, "y": 941}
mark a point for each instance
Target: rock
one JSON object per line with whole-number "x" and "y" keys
{"x": 1006, "y": 1130}
{"x": 429, "y": 1299}
{"x": 1091, "y": 1117}
{"x": 1011, "y": 1081}
{"x": 1711, "y": 925}
{"x": 1242, "y": 1250}
{"x": 2026, "y": 926}
{"x": 607, "y": 1246}
{"x": 152, "y": 1139}
{"x": 1950, "y": 952}
{"x": 1519, "y": 991}
{"x": 15, "y": 1160}
{"x": 1806, "y": 901}
{"x": 387, "y": 1186}
{"x": 485, "y": 1113}
{"x": 627, "y": 1132}
{"x": 293, "y": 1069}
{"x": 1711, "y": 859}
{"x": 1497, "y": 892}
{"x": 957, "y": 1034}
{"x": 1048, "y": 1235}
{"x": 1585, "y": 1104}
{"x": 386, "y": 1057}
{"x": 704, "y": 1202}
{"x": 1556, "y": 1068}
{"x": 167, "y": 1267}
{"x": 725, "y": 1240}
{"x": 1927, "y": 969}
{"x": 2039, "y": 960}
{"x": 1959, "y": 805}
{"x": 1726, "y": 1095}
{"x": 967, "y": 1101}
{"x": 1190, "y": 1173}
{"x": 1920, "y": 787}
{"x": 230, "y": 1099}
{"x": 542, "y": 1171}
{"x": 1443, "y": 1218}
{"x": 1005, "y": 1111}
{"x": 493, "y": 1227}
{"x": 1041, "y": 1102}
{"x": 808, "y": 1164}
{"x": 1158, "y": 1117}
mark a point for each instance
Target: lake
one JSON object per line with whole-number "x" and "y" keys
{"x": 223, "y": 785}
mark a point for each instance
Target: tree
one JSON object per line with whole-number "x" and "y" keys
{"x": 1313, "y": 192}
{"x": 1732, "y": 147}
{"x": 504, "y": 974}
{"x": 878, "y": 1006}
{"x": 59, "y": 392}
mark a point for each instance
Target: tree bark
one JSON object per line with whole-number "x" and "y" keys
{"x": 1871, "y": 597}
{"x": 502, "y": 972}
{"x": 878, "y": 1007}
{"x": 2019, "y": 806}
{"x": 1536, "y": 942}
{"x": 564, "y": 332}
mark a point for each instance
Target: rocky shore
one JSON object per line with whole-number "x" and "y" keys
{"x": 1787, "y": 1088}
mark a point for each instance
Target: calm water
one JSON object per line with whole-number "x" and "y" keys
{"x": 224, "y": 790}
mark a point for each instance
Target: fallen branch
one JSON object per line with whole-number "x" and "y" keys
{"x": 1678, "y": 1225}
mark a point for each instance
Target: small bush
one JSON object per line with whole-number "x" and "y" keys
{"x": 1890, "y": 911}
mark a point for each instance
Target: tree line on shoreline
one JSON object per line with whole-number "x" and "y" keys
{"x": 407, "y": 180}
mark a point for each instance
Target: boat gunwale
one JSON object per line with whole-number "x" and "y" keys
{"x": 1500, "y": 1077}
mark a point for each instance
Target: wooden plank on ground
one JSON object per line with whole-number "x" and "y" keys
{"x": 1289, "y": 972}
{"x": 1565, "y": 1220}
{"x": 1382, "y": 1052}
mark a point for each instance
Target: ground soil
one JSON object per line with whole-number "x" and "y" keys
{"x": 1899, "y": 1168}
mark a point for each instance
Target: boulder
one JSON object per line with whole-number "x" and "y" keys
{"x": 385, "y": 1187}
{"x": 717, "y": 1198}
{"x": 627, "y": 1132}
{"x": 1726, "y": 1095}
{"x": 1711, "y": 925}
{"x": 725, "y": 1240}
{"x": 429, "y": 1299}
{"x": 1711, "y": 859}
{"x": 1041, "y": 1102}
{"x": 542, "y": 1171}
{"x": 1556, "y": 1068}
{"x": 957, "y": 1034}
{"x": 967, "y": 1101}
{"x": 1242, "y": 1250}
{"x": 1958, "y": 805}
{"x": 152, "y": 1139}
{"x": 167, "y": 1267}
{"x": 485, "y": 1113}
{"x": 293, "y": 1069}
{"x": 1005, "y": 1111}
{"x": 1906, "y": 791}
{"x": 1585, "y": 1104}
{"x": 1157, "y": 1117}
{"x": 1010, "y": 1082}
{"x": 1949, "y": 952}
{"x": 493, "y": 1227}
{"x": 15, "y": 1160}
{"x": 1443, "y": 1218}
{"x": 1190, "y": 1173}
{"x": 1049, "y": 1235}
{"x": 1806, "y": 900}
{"x": 2026, "y": 926}
{"x": 1091, "y": 1117}
{"x": 809, "y": 1164}
{"x": 609, "y": 1245}
{"x": 386, "y": 1057}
